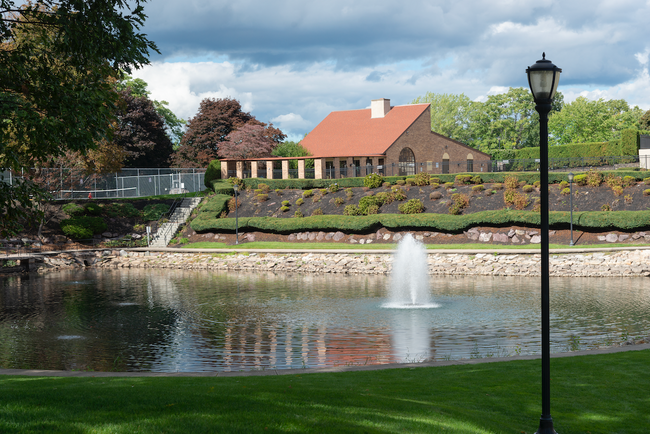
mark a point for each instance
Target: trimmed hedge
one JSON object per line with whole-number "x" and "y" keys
{"x": 623, "y": 220}
{"x": 212, "y": 173}
{"x": 222, "y": 187}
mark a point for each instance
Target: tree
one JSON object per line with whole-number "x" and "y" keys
{"x": 293, "y": 149}
{"x": 248, "y": 141}
{"x": 451, "y": 115}
{"x": 644, "y": 122}
{"x": 173, "y": 124}
{"x": 58, "y": 63}
{"x": 205, "y": 133}
{"x": 584, "y": 120}
{"x": 140, "y": 132}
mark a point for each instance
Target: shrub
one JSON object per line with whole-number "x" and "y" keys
{"x": 264, "y": 188}
{"x": 434, "y": 181}
{"x": 477, "y": 180}
{"x": 422, "y": 178}
{"x": 646, "y": 192}
{"x": 527, "y": 188}
{"x": 646, "y": 181}
{"x": 522, "y": 183}
{"x": 613, "y": 181}
{"x": 617, "y": 190}
{"x": 385, "y": 197}
{"x": 489, "y": 192}
{"x": 284, "y": 208}
{"x": 400, "y": 182}
{"x": 521, "y": 201}
{"x": 410, "y": 181}
{"x": 286, "y": 203}
{"x": 435, "y": 195}
{"x": 83, "y": 227}
{"x": 413, "y": 206}
{"x": 562, "y": 185}
{"x": 278, "y": 191}
{"x": 368, "y": 201}
{"x": 606, "y": 207}
{"x": 349, "y": 193}
{"x": 211, "y": 173}
{"x": 333, "y": 188}
{"x": 463, "y": 179}
{"x": 154, "y": 212}
{"x": 232, "y": 204}
{"x": 449, "y": 185}
{"x": 628, "y": 198}
{"x": 398, "y": 193}
{"x": 628, "y": 181}
{"x": 497, "y": 186}
{"x": 351, "y": 210}
{"x": 434, "y": 185}
{"x": 386, "y": 185}
{"x": 478, "y": 188}
{"x": 323, "y": 191}
{"x": 462, "y": 200}
{"x": 373, "y": 180}
{"x": 233, "y": 180}
{"x": 372, "y": 209}
{"x": 509, "y": 196}
{"x": 307, "y": 193}
{"x": 298, "y": 214}
{"x": 317, "y": 211}
{"x": 73, "y": 210}
{"x": 93, "y": 209}
{"x": 121, "y": 210}
{"x": 594, "y": 178}
{"x": 536, "y": 184}
{"x": 338, "y": 201}
{"x": 257, "y": 191}
{"x": 580, "y": 179}
{"x": 262, "y": 197}
{"x": 511, "y": 182}
{"x": 300, "y": 201}
{"x": 565, "y": 191}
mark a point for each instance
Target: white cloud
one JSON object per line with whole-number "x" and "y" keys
{"x": 291, "y": 122}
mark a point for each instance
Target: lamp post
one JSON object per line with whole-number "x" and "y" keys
{"x": 236, "y": 188}
{"x": 570, "y": 176}
{"x": 543, "y": 78}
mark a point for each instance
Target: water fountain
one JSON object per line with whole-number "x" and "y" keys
{"x": 409, "y": 282}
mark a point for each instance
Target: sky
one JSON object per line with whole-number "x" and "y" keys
{"x": 293, "y": 62}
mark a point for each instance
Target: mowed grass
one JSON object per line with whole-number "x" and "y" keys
{"x": 590, "y": 394}
{"x": 347, "y": 246}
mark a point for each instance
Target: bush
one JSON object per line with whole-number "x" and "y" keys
{"x": 73, "y": 210}
{"x": 385, "y": 197}
{"x": 264, "y": 188}
{"x": 333, "y": 188}
{"x": 400, "y": 182}
{"x": 232, "y": 204}
{"x": 352, "y": 210}
{"x": 398, "y": 193}
{"x": 562, "y": 185}
{"x": 511, "y": 182}
{"x": 386, "y": 185}
{"x": 565, "y": 191}
{"x": 646, "y": 192}
{"x": 323, "y": 191}
{"x": 317, "y": 211}
{"x": 278, "y": 191}
{"x": 527, "y": 188}
{"x": 368, "y": 201}
{"x": 298, "y": 214}
{"x": 121, "y": 210}
{"x": 434, "y": 185}
{"x": 509, "y": 197}
{"x": 300, "y": 201}
{"x": 449, "y": 185}
{"x": 93, "y": 209}
{"x": 83, "y": 227}
{"x": 536, "y": 184}
{"x": 422, "y": 179}
{"x": 463, "y": 179}
{"x": 521, "y": 201}
{"x": 497, "y": 186}
{"x": 307, "y": 193}
{"x": 629, "y": 181}
{"x": 286, "y": 203}
{"x": 646, "y": 181}
{"x": 618, "y": 190}
{"x": 478, "y": 188}
{"x": 338, "y": 201}
{"x": 628, "y": 198}
{"x": 284, "y": 208}
{"x": 349, "y": 193}
{"x": 477, "y": 180}
{"x": 373, "y": 180}
{"x": 213, "y": 172}
{"x": 594, "y": 178}
{"x": 413, "y": 206}
{"x": 410, "y": 181}
{"x": 154, "y": 212}
{"x": 580, "y": 179}
{"x": 262, "y": 197}
{"x": 434, "y": 181}
{"x": 613, "y": 181}
{"x": 372, "y": 209}
{"x": 435, "y": 195}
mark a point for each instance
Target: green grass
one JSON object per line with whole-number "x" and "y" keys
{"x": 347, "y": 246}
{"x": 484, "y": 398}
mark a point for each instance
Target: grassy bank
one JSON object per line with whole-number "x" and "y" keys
{"x": 485, "y": 398}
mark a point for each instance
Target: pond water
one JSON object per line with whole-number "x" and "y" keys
{"x": 169, "y": 321}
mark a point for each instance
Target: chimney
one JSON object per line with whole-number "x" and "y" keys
{"x": 379, "y": 108}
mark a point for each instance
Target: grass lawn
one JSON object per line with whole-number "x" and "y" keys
{"x": 348, "y": 246}
{"x": 590, "y": 394}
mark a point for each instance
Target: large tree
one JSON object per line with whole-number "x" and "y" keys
{"x": 247, "y": 141}
{"x": 209, "y": 129}
{"x": 585, "y": 120}
{"x": 58, "y": 63}
{"x": 451, "y": 114}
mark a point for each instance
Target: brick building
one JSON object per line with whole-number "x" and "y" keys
{"x": 389, "y": 140}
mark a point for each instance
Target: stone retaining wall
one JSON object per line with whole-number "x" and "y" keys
{"x": 615, "y": 264}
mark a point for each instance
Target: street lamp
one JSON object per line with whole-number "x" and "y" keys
{"x": 571, "y": 203}
{"x": 543, "y": 78}
{"x": 236, "y": 188}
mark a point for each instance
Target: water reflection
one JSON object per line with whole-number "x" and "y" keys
{"x": 144, "y": 320}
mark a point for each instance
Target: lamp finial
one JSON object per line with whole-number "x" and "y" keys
{"x": 544, "y": 55}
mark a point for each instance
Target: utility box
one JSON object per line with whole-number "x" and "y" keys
{"x": 644, "y": 152}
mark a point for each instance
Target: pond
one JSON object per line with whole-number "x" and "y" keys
{"x": 189, "y": 321}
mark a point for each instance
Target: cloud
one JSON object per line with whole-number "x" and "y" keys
{"x": 291, "y": 122}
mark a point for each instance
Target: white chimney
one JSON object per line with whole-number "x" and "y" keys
{"x": 379, "y": 108}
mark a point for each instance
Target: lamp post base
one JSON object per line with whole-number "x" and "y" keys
{"x": 545, "y": 425}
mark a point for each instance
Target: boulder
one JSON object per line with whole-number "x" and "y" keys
{"x": 535, "y": 239}
{"x": 397, "y": 237}
{"x": 611, "y": 238}
{"x": 338, "y": 236}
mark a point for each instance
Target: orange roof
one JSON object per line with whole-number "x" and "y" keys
{"x": 355, "y": 133}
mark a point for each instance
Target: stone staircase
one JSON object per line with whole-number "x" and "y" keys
{"x": 166, "y": 231}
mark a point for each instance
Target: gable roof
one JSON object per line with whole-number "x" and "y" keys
{"x": 355, "y": 133}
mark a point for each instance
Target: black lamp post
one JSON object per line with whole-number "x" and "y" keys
{"x": 570, "y": 176}
{"x": 236, "y": 188}
{"x": 543, "y": 78}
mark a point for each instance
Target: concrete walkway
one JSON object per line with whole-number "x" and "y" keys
{"x": 45, "y": 373}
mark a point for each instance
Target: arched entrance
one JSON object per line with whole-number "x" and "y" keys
{"x": 470, "y": 163}
{"x": 406, "y": 162}
{"x": 445, "y": 163}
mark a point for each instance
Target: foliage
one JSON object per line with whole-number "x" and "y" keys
{"x": 300, "y": 201}
{"x": 646, "y": 192}
{"x": 264, "y": 188}
{"x": 422, "y": 179}
{"x": 293, "y": 149}
{"x": 478, "y": 188}
{"x": 369, "y": 201}
{"x": 212, "y": 172}
{"x": 373, "y": 180}
{"x": 580, "y": 179}
{"x": 93, "y": 209}
{"x": 352, "y": 210}
{"x": 463, "y": 179}
{"x": 120, "y": 210}
{"x": 262, "y": 197}
{"x": 451, "y": 115}
{"x": 398, "y": 193}
{"x": 83, "y": 227}
{"x": 511, "y": 182}
{"x": 458, "y": 202}
{"x": 594, "y": 178}
{"x": 317, "y": 211}
{"x": 298, "y": 214}
{"x": 307, "y": 193}
{"x": 234, "y": 204}
{"x": 154, "y": 212}
{"x": 73, "y": 210}
{"x": 412, "y": 206}
{"x": 284, "y": 208}
{"x": 247, "y": 141}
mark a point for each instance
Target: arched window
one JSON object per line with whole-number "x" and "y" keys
{"x": 406, "y": 162}
{"x": 445, "y": 163}
{"x": 470, "y": 163}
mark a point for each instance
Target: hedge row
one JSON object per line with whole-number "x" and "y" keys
{"x": 223, "y": 187}
{"x": 622, "y": 220}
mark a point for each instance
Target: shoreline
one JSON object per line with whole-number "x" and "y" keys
{"x": 610, "y": 262}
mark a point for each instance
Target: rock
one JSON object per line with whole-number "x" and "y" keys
{"x": 362, "y": 241}
{"x": 386, "y": 237}
{"x": 531, "y": 233}
{"x": 515, "y": 239}
{"x": 520, "y": 232}
{"x": 535, "y": 239}
{"x": 511, "y": 233}
{"x": 500, "y": 238}
{"x": 473, "y": 236}
{"x": 551, "y": 233}
{"x": 623, "y": 237}
{"x": 123, "y": 253}
{"x": 329, "y": 236}
{"x": 419, "y": 237}
{"x": 353, "y": 241}
{"x": 426, "y": 234}
{"x": 602, "y": 237}
{"x": 636, "y": 236}
{"x": 397, "y": 237}
{"x": 611, "y": 238}
{"x": 312, "y": 236}
{"x": 485, "y": 237}
{"x": 320, "y": 236}
{"x": 338, "y": 236}
{"x": 250, "y": 237}
{"x": 107, "y": 234}
{"x": 368, "y": 241}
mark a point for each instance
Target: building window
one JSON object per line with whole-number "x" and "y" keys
{"x": 445, "y": 166}
{"x": 470, "y": 165}
{"x": 406, "y": 162}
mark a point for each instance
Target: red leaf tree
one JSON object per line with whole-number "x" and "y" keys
{"x": 249, "y": 141}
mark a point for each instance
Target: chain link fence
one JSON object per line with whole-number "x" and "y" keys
{"x": 64, "y": 183}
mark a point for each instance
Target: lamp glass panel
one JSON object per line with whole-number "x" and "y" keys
{"x": 541, "y": 84}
